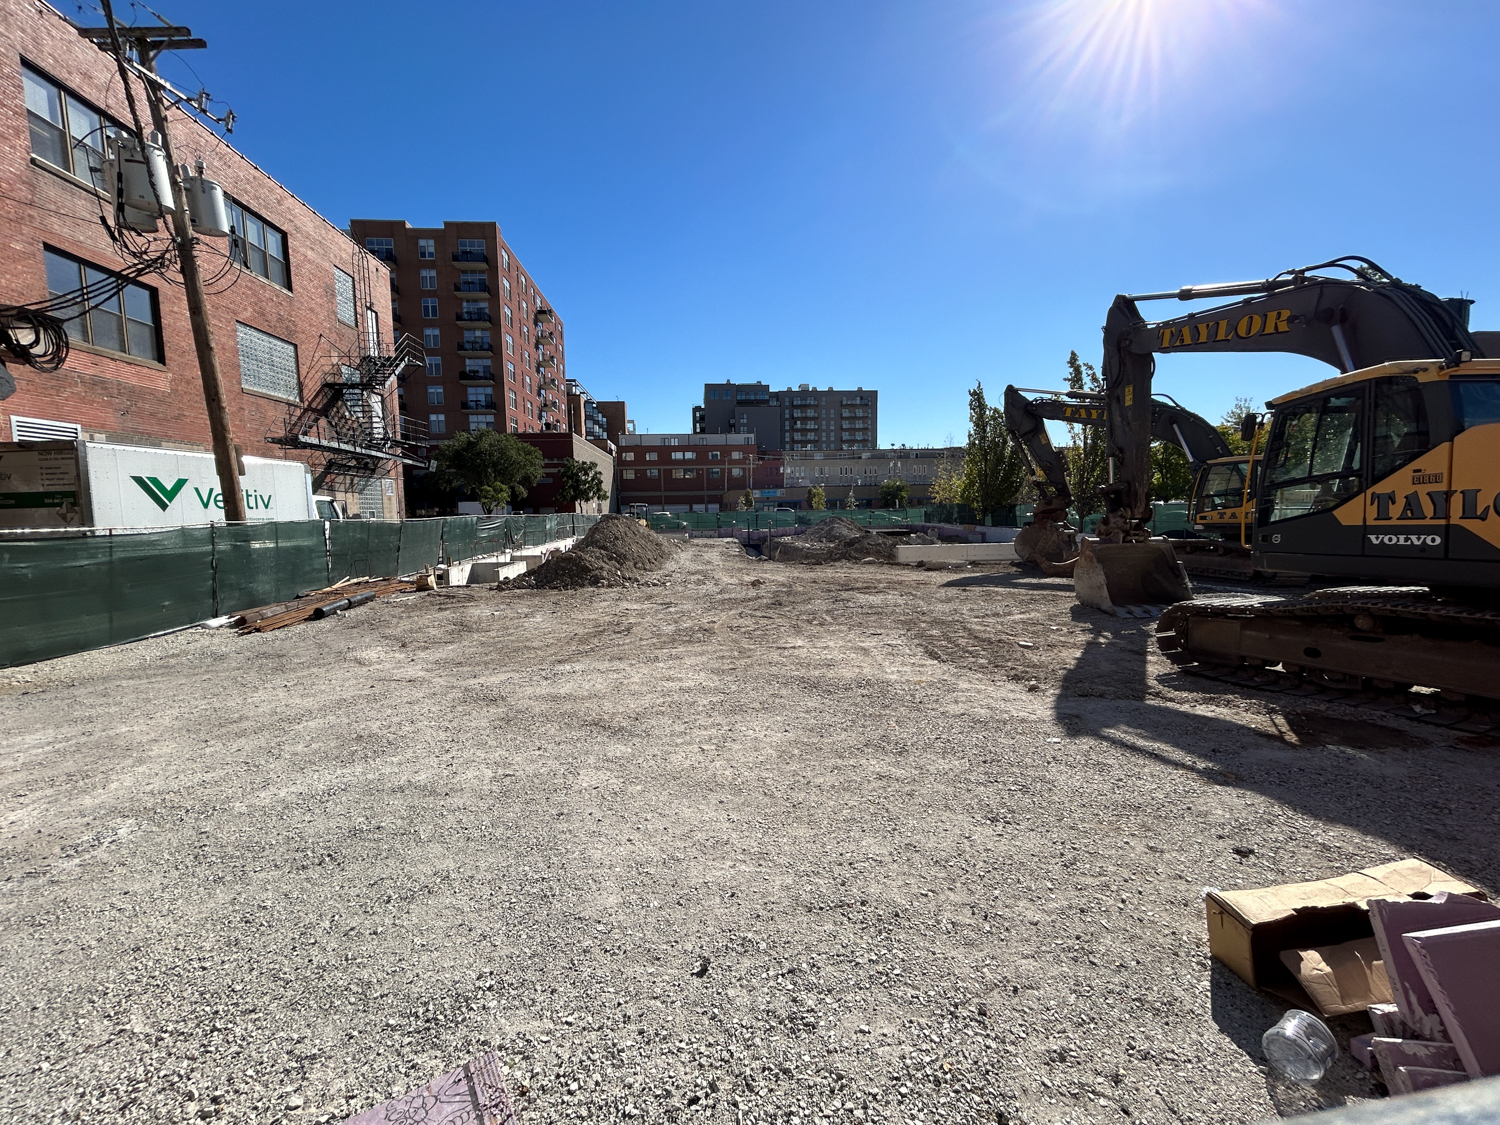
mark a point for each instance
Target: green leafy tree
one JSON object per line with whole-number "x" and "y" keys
{"x": 580, "y": 482}
{"x": 817, "y": 499}
{"x": 494, "y": 468}
{"x": 948, "y": 480}
{"x": 994, "y": 468}
{"x": 1085, "y": 457}
{"x": 894, "y": 494}
{"x": 850, "y": 503}
{"x": 1171, "y": 475}
{"x": 1230, "y": 427}
{"x": 747, "y": 501}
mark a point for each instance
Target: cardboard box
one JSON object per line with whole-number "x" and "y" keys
{"x": 1248, "y": 930}
{"x": 1341, "y": 978}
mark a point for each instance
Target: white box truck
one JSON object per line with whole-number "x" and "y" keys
{"x": 92, "y": 484}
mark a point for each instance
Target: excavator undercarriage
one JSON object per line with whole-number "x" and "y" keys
{"x": 1354, "y": 637}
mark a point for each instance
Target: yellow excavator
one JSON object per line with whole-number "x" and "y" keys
{"x": 1217, "y": 506}
{"x": 1387, "y": 474}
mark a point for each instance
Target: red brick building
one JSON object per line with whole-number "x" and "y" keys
{"x": 494, "y": 344}
{"x": 555, "y": 449}
{"x": 685, "y": 472}
{"x": 294, "y": 304}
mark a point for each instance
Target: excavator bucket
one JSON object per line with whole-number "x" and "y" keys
{"x": 1130, "y": 579}
{"x": 1046, "y": 541}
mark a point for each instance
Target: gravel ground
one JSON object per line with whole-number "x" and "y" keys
{"x": 742, "y": 842}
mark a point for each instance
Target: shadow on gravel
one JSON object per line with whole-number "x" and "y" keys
{"x": 1020, "y": 580}
{"x": 1427, "y": 798}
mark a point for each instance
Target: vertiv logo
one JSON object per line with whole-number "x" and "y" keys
{"x": 161, "y": 494}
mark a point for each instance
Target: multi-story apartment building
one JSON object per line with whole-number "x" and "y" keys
{"x": 295, "y": 307}
{"x": 685, "y": 472}
{"x": 860, "y": 475}
{"x": 805, "y": 418}
{"x": 494, "y": 343}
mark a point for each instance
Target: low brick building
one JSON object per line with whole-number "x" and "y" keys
{"x": 685, "y": 472}
{"x": 557, "y": 448}
{"x": 860, "y": 475}
{"x": 293, "y": 303}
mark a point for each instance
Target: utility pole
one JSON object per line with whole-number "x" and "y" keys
{"x": 150, "y": 42}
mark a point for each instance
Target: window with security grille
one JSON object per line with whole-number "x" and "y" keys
{"x": 343, "y": 295}
{"x": 268, "y": 364}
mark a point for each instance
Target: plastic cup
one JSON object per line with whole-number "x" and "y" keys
{"x": 1300, "y": 1047}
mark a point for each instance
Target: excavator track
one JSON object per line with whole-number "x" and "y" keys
{"x": 1378, "y": 641}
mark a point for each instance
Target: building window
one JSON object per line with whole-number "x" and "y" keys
{"x": 736, "y": 455}
{"x": 714, "y": 455}
{"x": 510, "y": 344}
{"x": 382, "y": 248}
{"x": 715, "y": 474}
{"x": 512, "y": 400}
{"x": 437, "y": 423}
{"x": 268, "y": 363}
{"x": 432, "y": 337}
{"x": 471, "y": 250}
{"x": 475, "y": 310}
{"x": 65, "y": 131}
{"x": 257, "y": 245}
{"x": 434, "y": 396}
{"x": 528, "y": 383}
{"x": 505, "y": 258}
{"x": 426, "y": 248}
{"x": 713, "y": 393}
{"x": 481, "y": 421}
{"x": 476, "y": 340}
{"x": 434, "y": 367}
{"x": 478, "y": 369}
{"x": 470, "y": 281}
{"x": 429, "y": 308}
{"x": 510, "y": 371}
{"x": 508, "y": 320}
{"x": 651, "y": 457}
{"x": 427, "y": 279}
{"x": 736, "y": 472}
{"x": 119, "y": 315}
{"x": 343, "y": 296}
{"x": 628, "y": 456}
{"x": 628, "y": 474}
{"x": 652, "y": 474}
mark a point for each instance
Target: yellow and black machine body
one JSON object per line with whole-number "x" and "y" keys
{"x": 1223, "y": 499}
{"x": 1387, "y": 474}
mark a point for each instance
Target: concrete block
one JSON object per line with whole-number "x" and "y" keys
{"x": 917, "y": 554}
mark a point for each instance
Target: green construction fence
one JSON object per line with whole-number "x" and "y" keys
{"x": 66, "y": 594}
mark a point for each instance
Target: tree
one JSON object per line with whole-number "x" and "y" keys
{"x": 1230, "y": 428}
{"x": 894, "y": 494}
{"x": 492, "y": 467}
{"x": 747, "y": 501}
{"x": 1171, "y": 476}
{"x": 994, "y": 468}
{"x": 817, "y": 499}
{"x": 1086, "y": 457}
{"x": 580, "y": 482}
{"x": 948, "y": 480}
{"x": 850, "y": 503}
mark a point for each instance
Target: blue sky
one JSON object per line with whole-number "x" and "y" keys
{"x": 908, "y": 196}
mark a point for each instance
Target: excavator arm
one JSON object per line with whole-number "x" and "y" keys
{"x": 1367, "y": 318}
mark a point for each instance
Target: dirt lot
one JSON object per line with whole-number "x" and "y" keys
{"x": 751, "y": 842}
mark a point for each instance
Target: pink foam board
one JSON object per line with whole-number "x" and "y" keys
{"x": 1391, "y": 918}
{"x": 1461, "y": 967}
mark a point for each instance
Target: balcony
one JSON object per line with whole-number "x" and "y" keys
{"x": 485, "y": 404}
{"x": 472, "y": 317}
{"x": 471, "y": 256}
{"x": 471, "y": 287}
{"x": 467, "y": 376}
{"x": 476, "y": 347}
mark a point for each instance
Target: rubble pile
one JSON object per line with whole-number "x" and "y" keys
{"x": 839, "y": 539}
{"x": 615, "y": 551}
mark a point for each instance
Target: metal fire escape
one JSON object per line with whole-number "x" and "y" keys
{"x": 347, "y": 424}
{"x": 554, "y": 405}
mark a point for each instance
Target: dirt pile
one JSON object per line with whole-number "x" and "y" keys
{"x": 616, "y": 550}
{"x": 838, "y": 539}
